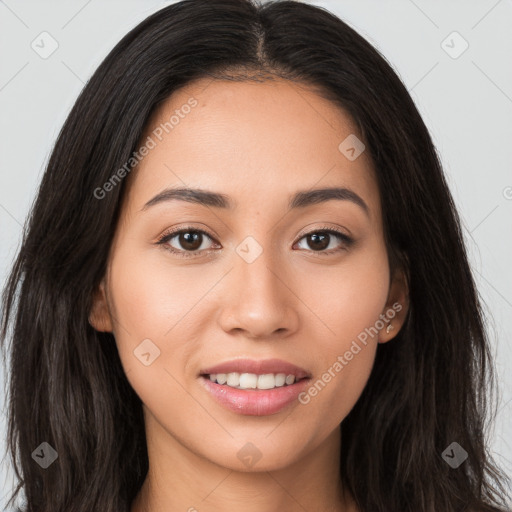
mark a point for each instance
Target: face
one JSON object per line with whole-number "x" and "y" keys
{"x": 268, "y": 270}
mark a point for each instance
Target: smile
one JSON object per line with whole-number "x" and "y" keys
{"x": 255, "y": 387}
{"x": 252, "y": 380}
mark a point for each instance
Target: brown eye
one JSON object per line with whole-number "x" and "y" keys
{"x": 190, "y": 240}
{"x": 320, "y": 240}
{"x": 185, "y": 242}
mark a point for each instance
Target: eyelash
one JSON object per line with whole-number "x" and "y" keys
{"x": 166, "y": 237}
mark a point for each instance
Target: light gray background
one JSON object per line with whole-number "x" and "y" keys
{"x": 466, "y": 102}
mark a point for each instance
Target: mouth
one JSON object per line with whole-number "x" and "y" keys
{"x": 252, "y": 380}
{"x": 255, "y": 374}
{"x": 255, "y": 388}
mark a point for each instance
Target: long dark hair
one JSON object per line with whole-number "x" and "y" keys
{"x": 428, "y": 387}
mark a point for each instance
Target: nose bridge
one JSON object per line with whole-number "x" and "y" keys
{"x": 256, "y": 271}
{"x": 261, "y": 304}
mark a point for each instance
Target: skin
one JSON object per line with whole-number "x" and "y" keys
{"x": 258, "y": 143}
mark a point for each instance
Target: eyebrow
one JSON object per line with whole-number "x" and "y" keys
{"x": 300, "y": 199}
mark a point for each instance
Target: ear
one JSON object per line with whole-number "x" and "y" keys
{"x": 397, "y": 306}
{"x": 99, "y": 316}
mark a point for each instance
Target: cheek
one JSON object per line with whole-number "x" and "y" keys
{"x": 348, "y": 297}
{"x": 150, "y": 295}
{"x": 348, "y": 300}
{"x": 150, "y": 301}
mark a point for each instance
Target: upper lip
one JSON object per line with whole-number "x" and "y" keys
{"x": 258, "y": 367}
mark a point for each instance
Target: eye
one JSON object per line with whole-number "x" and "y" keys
{"x": 190, "y": 239}
{"x": 189, "y": 242}
{"x": 321, "y": 239}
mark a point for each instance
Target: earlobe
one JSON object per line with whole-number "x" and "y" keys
{"x": 99, "y": 316}
{"x": 397, "y": 307}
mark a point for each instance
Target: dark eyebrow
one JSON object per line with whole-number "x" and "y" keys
{"x": 308, "y": 197}
{"x": 301, "y": 199}
{"x": 191, "y": 195}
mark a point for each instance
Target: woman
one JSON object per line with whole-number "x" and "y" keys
{"x": 244, "y": 284}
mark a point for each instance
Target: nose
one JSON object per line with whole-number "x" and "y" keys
{"x": 258, "y": 300}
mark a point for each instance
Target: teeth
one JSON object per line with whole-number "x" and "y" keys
{"x": 280, "y": 379}
{"x": 249, "y": 381}
{"x": 267, "y": 381}
{"x": 233, "y": 379}
{"x": 253, "y": 381}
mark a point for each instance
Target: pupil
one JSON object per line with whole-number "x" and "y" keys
{"x": 189, "y": 240}
{"x": 323, "y": 238}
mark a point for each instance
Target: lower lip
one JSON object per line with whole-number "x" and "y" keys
{"x": 253, "y": 402}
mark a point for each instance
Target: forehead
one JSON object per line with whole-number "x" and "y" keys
{"x": 256, "y": 142}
